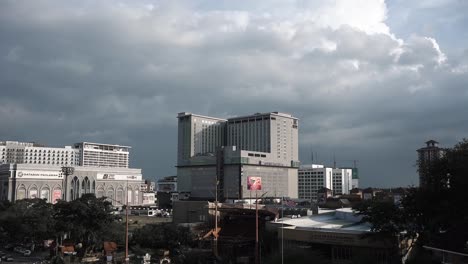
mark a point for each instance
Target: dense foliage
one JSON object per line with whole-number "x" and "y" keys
{"x": 87, "y": 220}
{"x": 437, "y": 214}
{"x": 163, "y": 236}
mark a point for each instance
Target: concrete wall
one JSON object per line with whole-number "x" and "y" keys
{"x": 190, "y": 212}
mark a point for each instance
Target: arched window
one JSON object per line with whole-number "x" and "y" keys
{"x": 93, "y": 188}
{"x": 75, "y": 188}
{"x": 136, "y": 200}
{"x": 110, "y": 195}
{"x": 85, "y": 186}
{"x": 45, "y": 193}
{"x": 120, "y": 196}
{"x": 56, "y": 195}
{"x": 100, "y": 192}
{"x": 21, "y": 193}
{"x": 32, "y": 192}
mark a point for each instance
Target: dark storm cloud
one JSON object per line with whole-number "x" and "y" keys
{"x": 119, "y": 73}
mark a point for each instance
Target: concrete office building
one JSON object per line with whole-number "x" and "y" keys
{"x": 81, "y": 154}
{"x": 20, "y": 181}
{"x": 198, "y": 135}
{"x": 311, "y": 178}
{"x": 426, "y": 156}
{"x": 263, "y": 144}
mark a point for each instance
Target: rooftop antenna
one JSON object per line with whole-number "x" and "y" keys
{"x": 334, "y": 160}
{"x": 311, "y": 155}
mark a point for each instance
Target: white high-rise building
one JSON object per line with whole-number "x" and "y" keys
{"x": 32, "y": 153}
{"x": 102, "y": 155}
{"x": 262, "y": 145}
{"x": 81, "y": 154}
{"x": 312, "y": 178}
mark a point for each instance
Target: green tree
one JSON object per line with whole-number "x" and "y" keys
{"x": 87, "y": 219}
{"x": 439, "y": 210}
{"x": 436, "y": 215}
{"x": 28, "y": 218}
{"x": 167, "y": 235}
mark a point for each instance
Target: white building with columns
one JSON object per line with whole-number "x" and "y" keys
{"x": 31, "y": 170}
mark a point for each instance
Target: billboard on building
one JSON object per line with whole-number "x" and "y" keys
{"x": 254, "y": 183}
{"x": 56, "y": 195}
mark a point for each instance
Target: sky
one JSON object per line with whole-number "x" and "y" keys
{"x": 369, "y": 80}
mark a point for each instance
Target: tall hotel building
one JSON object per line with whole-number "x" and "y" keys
{"x": 227, "y": 151}
{"x": 30, "y": 170}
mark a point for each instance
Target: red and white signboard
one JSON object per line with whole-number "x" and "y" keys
{"x": 254, "y": 183}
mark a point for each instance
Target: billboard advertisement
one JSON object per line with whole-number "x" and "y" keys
{"x": 120, "y": 177}
{"x": 56, "y": 195}
{"x": 254, "y": 183}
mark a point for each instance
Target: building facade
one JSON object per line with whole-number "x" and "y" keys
{"x": 198, "y": 135}
{"x": 312, "y": 178}
{"x": 31, "y": 170}
{"x": 81, "y": 154}
{"x": 32, "y": 153}
{"x": 426, "y": 157}
{"x": 20, "y": 181}
{"x": 224, "y": 152}
{"x": 102, "y": 155}
{"x": 167, "y": 184}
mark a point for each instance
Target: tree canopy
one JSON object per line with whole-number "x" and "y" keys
{"x": 436, "y": 214}
{"x": 87, "y": 220}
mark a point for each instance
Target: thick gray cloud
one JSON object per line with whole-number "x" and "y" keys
{"x": 119, "y": 72}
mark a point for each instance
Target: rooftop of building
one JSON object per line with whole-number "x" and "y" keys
{"x": 168, "y": 179}
{"x": 101, "y": 145}
{"x": 183, "y": 114}
{"x": 263, "y": 114}
{"x": 339, "y": 220}
{"x": 49, "y": 167}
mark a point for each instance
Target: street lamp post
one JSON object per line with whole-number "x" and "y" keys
{"x": 126, "y": 226}
{"x": 66, "y": 171}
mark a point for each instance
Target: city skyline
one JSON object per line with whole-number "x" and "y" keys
{"x": 369, "y": 81}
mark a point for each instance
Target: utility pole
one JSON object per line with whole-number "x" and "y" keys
{"x": 66, "y": 171}
{"x": 215, "y": 232}
{"x": 256, "y": 228}
{"x": 282, "y": 229}
{"x": 127, "y": 260}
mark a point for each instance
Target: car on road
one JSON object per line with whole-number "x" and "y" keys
{"x": 27, "y": 253}
{"x": 10, "y": 259}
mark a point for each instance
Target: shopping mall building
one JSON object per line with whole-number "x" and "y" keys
{"x": 29, "y": 170}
